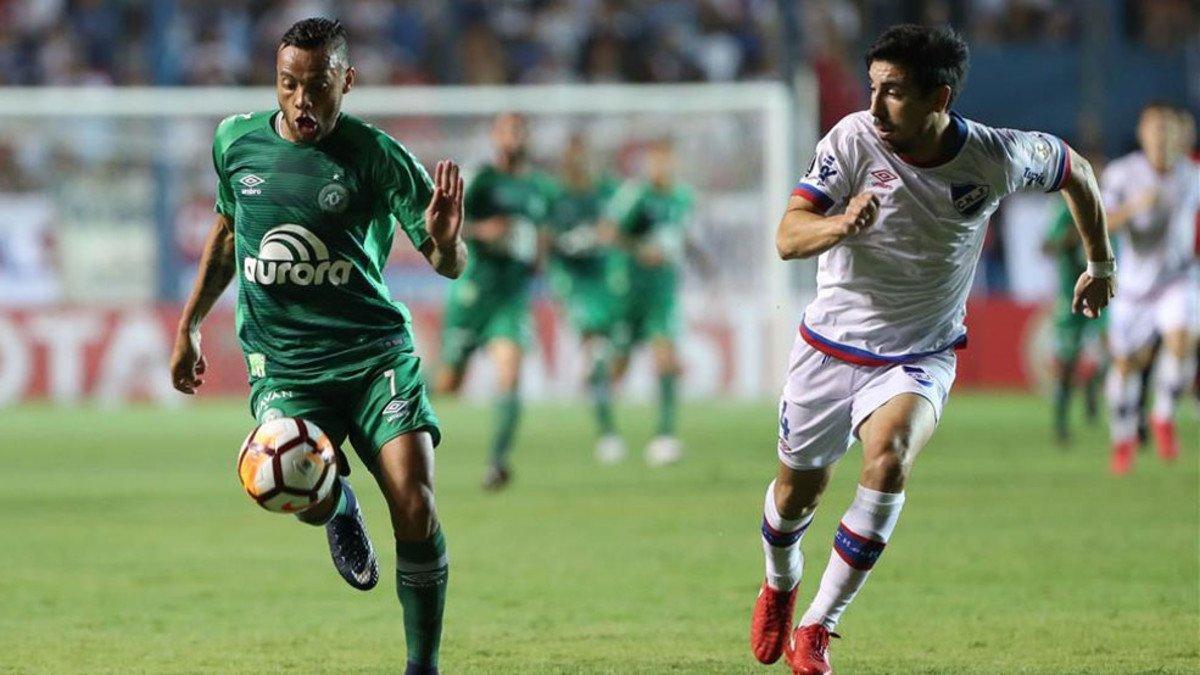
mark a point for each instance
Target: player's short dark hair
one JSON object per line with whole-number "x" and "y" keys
{"x": 319, "y": 33}
{"x": 933, "y": 56}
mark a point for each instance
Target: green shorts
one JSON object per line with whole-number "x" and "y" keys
{"x": 1073, "y": 331}
{"x": 588, "y": 301}
{"x": 474, "y": 318}
{"x": 647, "y": 314}
{"x": 386, "y": 401}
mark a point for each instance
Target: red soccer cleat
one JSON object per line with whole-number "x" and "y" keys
{"x": 808, "y": 650}
{"x": 1122, "y": 457}
{"x": 1164, "y": 439}
{"x": 771, "y": 622}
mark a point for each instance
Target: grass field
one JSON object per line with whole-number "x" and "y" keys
{"x": 128, "y": 547}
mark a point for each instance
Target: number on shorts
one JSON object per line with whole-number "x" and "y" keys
{"x": 391, "y": 376}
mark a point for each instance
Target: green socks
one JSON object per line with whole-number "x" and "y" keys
{"x": 1062, "y": 399}
{"x": 667, "y": 385}
{"x": 346, "y": 500}
{"x": 508, "y": 409}
{"x": 422, "y": 572}
{"x": 600, "y": 384}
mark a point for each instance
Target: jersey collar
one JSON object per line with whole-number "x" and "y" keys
{"x": 958, "y": 127}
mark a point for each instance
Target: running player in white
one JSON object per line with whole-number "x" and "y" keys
{"x": 895, "y": 204}
{"x": 1151, "y": 196}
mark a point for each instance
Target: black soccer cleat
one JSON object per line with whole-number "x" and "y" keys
{"x": 350, "y": 547}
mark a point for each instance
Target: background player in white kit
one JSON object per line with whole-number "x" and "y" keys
{"x": 1152, "y": 196}
{"x": 909, "y": 186}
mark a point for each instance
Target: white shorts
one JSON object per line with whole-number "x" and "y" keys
{"x": 825, "y": 400}
{"x": 1133, "y": 322}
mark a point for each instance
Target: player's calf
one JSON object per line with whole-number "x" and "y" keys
{"x": 1173, "y": 373}
{"x": 1122, "y": 388}
{"x": 892, "y": 437}
{"x": 771, "y": 621}
{"x": 858, "y": 543}
{"x": 422, "y": 575}
{"x": 405, "y": 474}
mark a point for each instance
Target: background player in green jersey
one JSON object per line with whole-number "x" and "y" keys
{"x": 307, "y": 203}
{"x": 652, "y": 240}
{"x": 1073, "y": 333}
{"x": 580, "y": 267}
{"x": 489, "y": 304}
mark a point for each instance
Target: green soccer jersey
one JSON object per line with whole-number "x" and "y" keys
{"x": 313, "y": 227}
{"x": 1069, "y": 258}
{"x": 504, "y": 266}
{"x": 575, "y": 214}
{"x": 1070, "y": 330}
{"x": 646, "y": 214}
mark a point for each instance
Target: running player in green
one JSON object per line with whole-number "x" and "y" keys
{"x": 308, "y": 200}
{"x": 489, "y": 305}
{"x": 1073, "y": 333}
{"x": 652, "y": 240}
{"x": 581, "y": 276}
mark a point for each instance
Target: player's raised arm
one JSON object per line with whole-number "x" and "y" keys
{"x": 1097, "y": 285}
{"x": 445, "y": 249}
{"x": 217, "y": 267}
{"x": 804, "y": 232}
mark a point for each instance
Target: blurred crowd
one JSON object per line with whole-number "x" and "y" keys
{"x": 196, "y": 42}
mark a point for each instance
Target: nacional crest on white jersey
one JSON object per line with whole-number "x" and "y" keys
{"x": 969, "y": 197}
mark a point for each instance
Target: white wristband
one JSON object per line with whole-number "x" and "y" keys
{"x": 1101, "y": 269}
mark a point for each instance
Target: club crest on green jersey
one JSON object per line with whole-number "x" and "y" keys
{"x": 290, "y": 254}
{"x": 333, "y": 198}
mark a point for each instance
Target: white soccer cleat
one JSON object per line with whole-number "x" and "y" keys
{"x": 610, "y": 449}
{"x": 664, "y": 450}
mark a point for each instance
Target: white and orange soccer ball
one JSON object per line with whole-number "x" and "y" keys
{"x": 287, "y": 464}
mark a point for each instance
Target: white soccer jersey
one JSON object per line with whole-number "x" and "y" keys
{"x": 1157, "y": 246}
{"x": 897, "y": 291}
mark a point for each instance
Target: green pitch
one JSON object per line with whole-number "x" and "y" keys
{"x": 128, "y": 547}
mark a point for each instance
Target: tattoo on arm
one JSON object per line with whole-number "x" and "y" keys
{"x": 217, "y": 267}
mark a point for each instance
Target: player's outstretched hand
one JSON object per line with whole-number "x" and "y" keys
{"x": 860, "y": 213}
{"x": 1092, "y": 295}
{"x": 187, "y": 363}
{"x": 444, "y": 215}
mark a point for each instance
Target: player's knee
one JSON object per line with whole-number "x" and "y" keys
{"x": 889, "y": 456}
{"x": 413, "y": 514}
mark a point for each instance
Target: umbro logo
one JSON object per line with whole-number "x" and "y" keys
{"x": 395, "y": 409}
{"x": 882, "y": 177}
{"x": 251, "y": 183}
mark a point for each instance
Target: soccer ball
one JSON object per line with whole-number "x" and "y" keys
{"x": 287, "y": 464}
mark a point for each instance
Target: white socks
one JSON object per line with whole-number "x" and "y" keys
{"x": 858, "y": 543}
{"x": 1170, "y": 382}
{"x": 781, "y": 544}
{"x": 1122, "y": 393}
